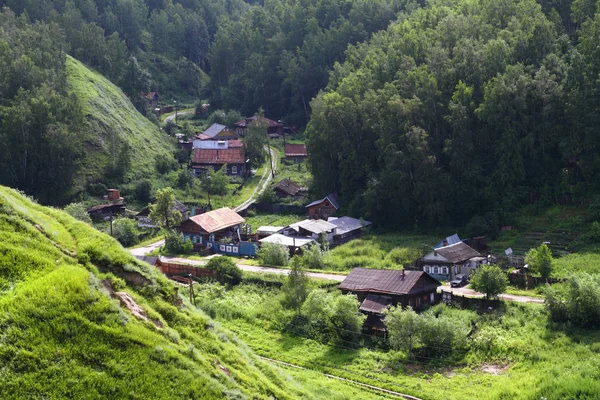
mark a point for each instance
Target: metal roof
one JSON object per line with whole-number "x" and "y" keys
{"x": 375, "y": 303}
{"x": 315, "y": 226}
{"x": 333, "y": 199}
{"x": 449, "y": 240}
{"x": 457, "y": 252}
{"x": 288, "y": 186}
{"x": 269, "y": 229}
{"x": 217, "y": 220}
{"x": 348, "y": 224}
{"x": 219, "y": 156}
{"x": 214, "y": 130}
{"x": 398, "y": 282}
{"x": 295, "y": 150}
{"x": 289, "y": 241}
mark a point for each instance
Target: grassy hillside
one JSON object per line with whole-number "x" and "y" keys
{"x": 110, "y": 115}
{"x": 64, "y": 333}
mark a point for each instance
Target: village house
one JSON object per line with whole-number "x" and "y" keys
{"x": 152, "y": 98}
{"x": 235, "y": 158}
{"x": 348, "y": 228}
{"x": 214, "y": 132}
{"x": 202, "y": 142}
{"x": 206, "y": 229}
{"x": 274, "y": 128}
{"x": 310, "y": 228}
{"x": 296, "y": 152}
{"x": 378, "y": 289}
{"x": 444, "y": 263}
{"x": 325, "y": 207}
{"x": 115, "y": 206}
{"x": 288, "y": 188}
{"x": 144, "y": 221}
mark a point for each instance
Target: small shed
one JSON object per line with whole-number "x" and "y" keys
{"x": 296, "y": 152}
{"x": 348, "y": 228}
{"x": 287, "y": 188}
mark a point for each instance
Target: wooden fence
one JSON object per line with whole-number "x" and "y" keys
{"x": 185, "y": 270}
{"x": 462, "y": 301}
{"x": 528, "y": 281}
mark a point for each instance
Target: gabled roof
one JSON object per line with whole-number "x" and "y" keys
{"x": 295, "y": 150}
{"x": 449, "y": 240}
{"x": 245, "y": 122}
{"x": 348, "y": 224}
{"x": 288, "y": 187}
{"x": 396, "y": 282}
{"x": 219, "y": 156}
{"x": 315, "y": 226}
{"x": 333, "y": 199}
{"x": 217, "y": 220}
{"x": 202, "y": 136}
{"x": 457, "y": 252}
{"x": 375, "y": 303}
{"x": 289, "y": 241}
{"x": 148, "y": 259}
{"x": 214, "y": 130}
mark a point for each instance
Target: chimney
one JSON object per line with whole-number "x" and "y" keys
{"x": 114, "y": 194}
{"x": 402, "y": 274}
{"x": 445, "y": 243}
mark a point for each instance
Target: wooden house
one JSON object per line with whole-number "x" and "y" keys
{"x": 378, "y": 289}
{"x": 215, "y": 132}
{"x": 115, "y": 206}
{"x": 444, "y": 263}
{"x": 206, "y": 229}
{"x": 324, "y": 208}
{"x": 235, "y": 158}
{"x": 273, "y": 127}
{"x": 288, "y": 188}
{"x": 296, "y": 152}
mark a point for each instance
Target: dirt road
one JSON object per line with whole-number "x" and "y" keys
{"x": 179, "y": 114}
{"x": 262, "y": 185}
{"x": 464, "y": 291}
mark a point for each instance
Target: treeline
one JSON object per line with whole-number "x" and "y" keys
{"x": 41, "y": 138}
{"x": 278, "y": 56}
{"x": 461, "y": 109}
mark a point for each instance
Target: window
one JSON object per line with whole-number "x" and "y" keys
{"x": 222, "y": 247}
{"x": 234, "y": 169}
{"x": 445, "y": 270}
{"x": 194, "y": 239}
{"x": 436, "y": 270}
{"x": 229, "y": 249}
{"x": 432, "y": 297}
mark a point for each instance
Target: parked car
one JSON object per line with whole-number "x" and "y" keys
{"x": 459, "y": 280}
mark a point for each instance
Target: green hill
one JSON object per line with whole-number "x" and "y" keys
{"x": 112, "y": 123}
{"x": 68, "y": 295}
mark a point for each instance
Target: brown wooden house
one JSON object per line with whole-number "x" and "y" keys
{"x": 324, "y": 208}
{"x": 273, "y": 127}
{"x": 206, "y": 229}
{"x": 287, "y": 188}
{"x": 379, "y": 289}
{"x": 446, "y": 262}
{"x": 296, "y": 152}
{"x": 235, "y": 158}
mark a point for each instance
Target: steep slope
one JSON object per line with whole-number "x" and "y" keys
{"x": 113, "y": 122}
{"x": 81, "y": 318}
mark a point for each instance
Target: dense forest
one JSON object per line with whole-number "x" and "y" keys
{"x": 463, "y": 108}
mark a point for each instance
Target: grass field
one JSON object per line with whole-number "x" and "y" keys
{"x": 512, "y": 353}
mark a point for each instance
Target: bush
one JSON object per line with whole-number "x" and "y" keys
{"x": 125, "y": 231}
{"x": 165, "y": 164}
{"x": 540, "y": 260}
{"x": 78, "y": 211}
{"x": 226, "y": 270}
{"x": 489, "y": 279}
{"x": 175, "y": 243}
{"x": 312, "y": 257}
{"x": 184, "y": 179}
{"x": 268, "y": 196}
{"x": 578, "y": 301}
{"x": 274, "y": 255}
{"x": 142, "y": 190}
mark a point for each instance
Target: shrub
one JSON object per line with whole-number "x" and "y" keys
{"x": 142, "y": 190}
{"x": 165, "y": 163}
{"x": 540, "y": 260}
{"x": 313, "y": 257}
{"x": 226, "y": 270}
{"x": 175, "y": 243}
{"x": 274, "y": 255}
{"x": 184, "y": 178}
{"x": 125, "y": 231}
{"x": 489, "y": 279}
{"x": 295, "y": 288}
{"x": 78, "y": 211}
{"x": 268, "y": 196}
{"x": 578, "y": 301}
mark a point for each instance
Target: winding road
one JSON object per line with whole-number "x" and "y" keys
{"x": 264, "y": 182}
{"x": 178, "y": 114}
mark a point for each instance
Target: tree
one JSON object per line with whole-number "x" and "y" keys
{"x": 125, "y": 231}
{"x": 295, "y": 288}
{"x": 403, "y": 326}
{"x": 176, "y": 243}
{"x": 163, "y": 212}
{"x": 540, "y": 260}
{"x": 215, "y": 182}
{"x": 226, "y": 270}
{"x": 346, "y": 320}
{"x": 143, "y": 188}
{"x": 489, "y": 279}
{"x": 273, "y": 254}
{"x": 255, "y": 142}
{"x": 312, "y": 257}
{"x": 78, "y": 211}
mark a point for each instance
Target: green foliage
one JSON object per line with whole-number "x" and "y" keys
{"x": 490, "y": 280}
{"x": 312, "y": 257}
{"x": 78, "y": 211}
{"x": 175, "y": 243}
{"x": 184, "y": 179}
{"x": 295, "y": 288}
{"x": 215, "y": 182}
{"x": 163, "y": 211}
{"x": 403, "y": 327}
{"x": 255, "y": 141}
{"x": 273, "y": 254}
{"x": 224, "y": 118}
{"x": 577, "y": 301}
{"x": 226, "y": 270}
{"x": 165, "y": 164}
{"x": 540, "y": 260}
{"x": 143, "y": 190}
{"x": 125, "y": 231}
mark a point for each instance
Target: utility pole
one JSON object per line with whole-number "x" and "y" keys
{"x": 175, "y": 111}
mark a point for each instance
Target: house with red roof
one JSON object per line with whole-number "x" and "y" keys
{"x": 234, "y": 157}
{"x": 295, "y": 152}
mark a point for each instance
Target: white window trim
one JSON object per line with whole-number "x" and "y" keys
{"x": 234, "y": 169}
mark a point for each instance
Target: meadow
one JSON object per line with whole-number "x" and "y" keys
{"x": 512, "y": 352}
